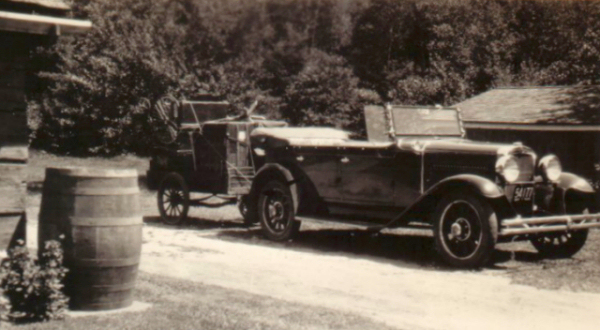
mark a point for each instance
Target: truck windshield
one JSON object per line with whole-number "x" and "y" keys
{"x": 203, "y": 111}
{"x": 426, "y": 121}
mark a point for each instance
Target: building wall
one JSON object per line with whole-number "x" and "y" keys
{"x": 36, "y": 27}
{"x": 15, "y": 71}
{"x": 579, "y": 152}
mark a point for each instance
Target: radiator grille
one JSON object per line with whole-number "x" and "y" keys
{"x": 526, "y": 167}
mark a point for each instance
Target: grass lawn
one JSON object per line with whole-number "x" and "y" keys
{"x": 579, "y": 273}
{"x": 179, "y": 304}
{"x": 39, "y": 160}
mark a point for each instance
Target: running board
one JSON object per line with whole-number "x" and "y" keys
{"x": 353, "y": 223}
{"x": 415, "y": 230}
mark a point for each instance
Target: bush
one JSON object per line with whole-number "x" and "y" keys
{"x": 34, "y": 287}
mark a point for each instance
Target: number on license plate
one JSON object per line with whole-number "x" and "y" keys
{"x": 523, "y": 194}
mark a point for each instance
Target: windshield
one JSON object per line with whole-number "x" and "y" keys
{"x": 426, "y": 121}
{"x": 203, "y": 111}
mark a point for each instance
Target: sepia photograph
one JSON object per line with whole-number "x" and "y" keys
{"x": 299, "y": 164}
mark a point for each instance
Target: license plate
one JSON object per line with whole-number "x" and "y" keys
{"x": 523, "y": 194}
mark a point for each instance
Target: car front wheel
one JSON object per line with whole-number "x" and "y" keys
{"x": 173, "y": 199}
{"x": 465, "y": 230}
{"x": 276, "y": 211}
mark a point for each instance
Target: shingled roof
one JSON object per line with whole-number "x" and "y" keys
{"x": 53, "y": 4}
{"x": 577, "y": 105}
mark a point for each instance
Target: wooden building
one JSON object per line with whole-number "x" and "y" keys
{"x": 562, "y": 120}
{"x": 24, "y": 25}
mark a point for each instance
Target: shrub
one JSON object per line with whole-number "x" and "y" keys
{"x": 33, "y": 288}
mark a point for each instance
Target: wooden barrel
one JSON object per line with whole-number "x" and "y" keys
{"x": 98, "y": 212}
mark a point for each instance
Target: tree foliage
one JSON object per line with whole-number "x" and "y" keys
{"x": 326, "y": 88}
{"x": 313, "y": 62}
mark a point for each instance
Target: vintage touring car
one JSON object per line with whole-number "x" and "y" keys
{"x": 415, "y": 169}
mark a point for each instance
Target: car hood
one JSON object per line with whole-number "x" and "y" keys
{"x": 458, "y": 145}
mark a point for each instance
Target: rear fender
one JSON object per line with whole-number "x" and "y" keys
{"x": 273, "y": 171}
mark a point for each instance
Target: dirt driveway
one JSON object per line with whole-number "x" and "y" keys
{"x": 337, "y": 270}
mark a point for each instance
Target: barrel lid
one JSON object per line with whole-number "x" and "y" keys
{"x": 94, "y": 172}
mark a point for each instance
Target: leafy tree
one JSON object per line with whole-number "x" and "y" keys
{"x": 94, "y": 95}
{"x": 386, "y": 37}
{"x": 326, "y": 93}
{"x": 557, "y": 42}
{"x": 92, "y": 99}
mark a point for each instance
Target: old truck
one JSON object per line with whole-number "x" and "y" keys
{"x": 205, "y": 151}
{"x": 416, "y": 168}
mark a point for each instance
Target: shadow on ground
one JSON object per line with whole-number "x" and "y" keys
{"x": 401, "y": 250}
{"x": 502, "y": 256}
{"x": 196, "y": 223}
{"x": 408, "y": 251}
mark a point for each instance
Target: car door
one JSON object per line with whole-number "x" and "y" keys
{"x": 322, "y": 166}
{"x": 382, "y": 177}
{"x": 367, "y": 176}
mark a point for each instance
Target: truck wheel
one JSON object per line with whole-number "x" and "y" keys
{"x": 465, "y": 230}
{"x": 173, "y": 199}
{"x": 276, "y": 211}
{"x": 248, "y": 210}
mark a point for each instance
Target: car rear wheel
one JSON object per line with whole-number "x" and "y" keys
{"x": 465, "y": 230}
{"x": 276, "y": 211}
{"x": 173, "y": 199}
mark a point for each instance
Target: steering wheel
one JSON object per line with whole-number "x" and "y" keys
{"x": 167, "y": 108}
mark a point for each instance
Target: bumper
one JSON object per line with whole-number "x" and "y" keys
{"x": 546, "y": 224}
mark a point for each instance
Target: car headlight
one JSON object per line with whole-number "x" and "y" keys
{"x": 550, "y": 168}
{"x": 508, "y": 168}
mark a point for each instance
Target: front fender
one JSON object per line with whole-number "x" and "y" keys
{"x": 274, "y": 171}
{"x": 480, "y": 185}
{"x": 570, "y": 190}
{"x": 484, "y": 186}
{"x": 570, "y": 181}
